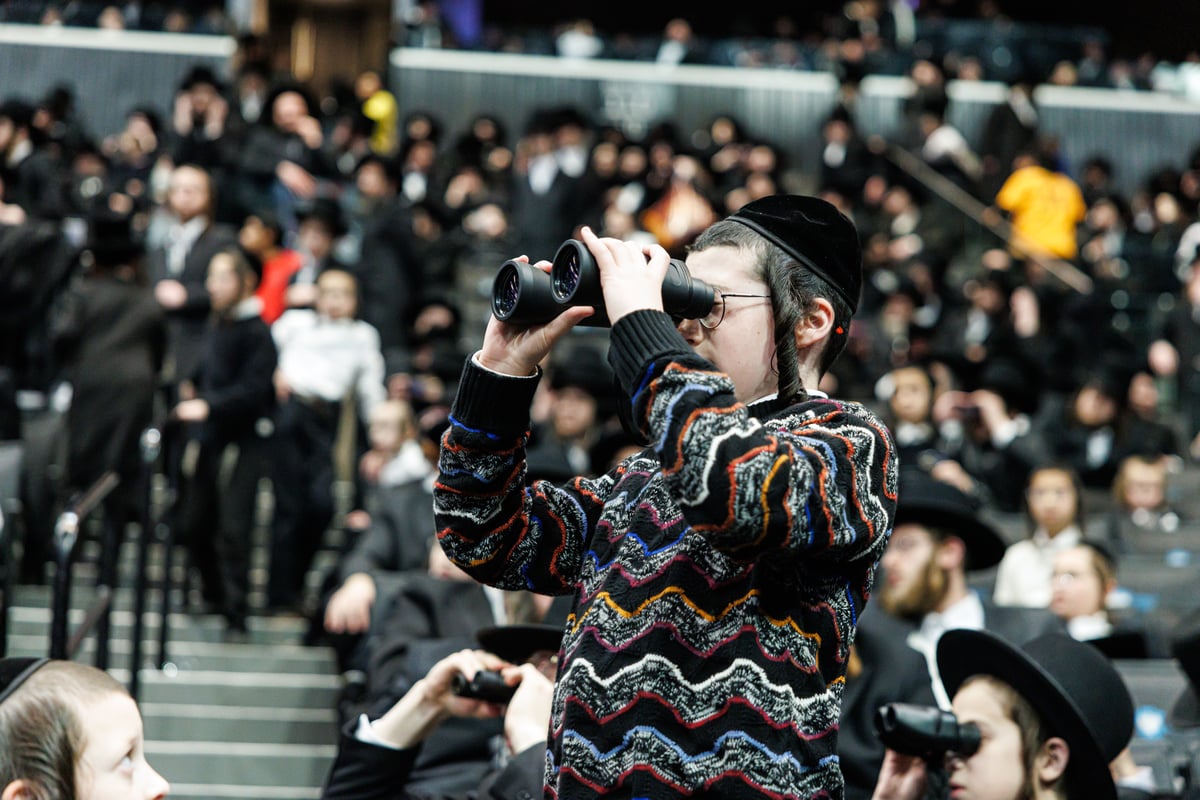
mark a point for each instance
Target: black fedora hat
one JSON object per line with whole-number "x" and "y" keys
{"x": 516, "y": 643}
{"x": 1074, "y": 688}
{"x": 924, "y": 500}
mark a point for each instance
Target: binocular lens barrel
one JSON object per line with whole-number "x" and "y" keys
{"x": 524, "y": 295}
{"x": 521, "y": 295}
{"x": 924, "y": 731}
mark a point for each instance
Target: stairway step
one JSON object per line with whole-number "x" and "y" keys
{"x": 241, "y": 763}
{"x": 219, "y": 791}
{"x": 183, "y": 627}
{"x": 178, "y": 722}
{"x": 192, "y": 655}
{"x": 216, "y": 688}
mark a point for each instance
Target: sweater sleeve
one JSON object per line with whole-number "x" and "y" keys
{"x": 500, "y": 531}
{"x": 820, "y": 479}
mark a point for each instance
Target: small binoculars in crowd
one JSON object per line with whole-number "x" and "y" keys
{"x": 486, "y": 685}
{"x": 925, "y": 731}
{"x": 524, "y": 295}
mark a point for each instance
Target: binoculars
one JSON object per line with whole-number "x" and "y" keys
{"x": 486, "y": 685}
{"x": 523, "y": 295}
{"x": 925, "y": 731}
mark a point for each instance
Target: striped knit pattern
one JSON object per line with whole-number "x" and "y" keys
{"x": 718, "y": 574}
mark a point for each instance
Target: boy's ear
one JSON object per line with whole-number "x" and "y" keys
{"x": 20, "y": 789}
{"x": 815, "y": 326}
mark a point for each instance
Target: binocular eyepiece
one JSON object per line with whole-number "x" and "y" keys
{"x": 524, "y": 295}
{"x": 925, "y": 731}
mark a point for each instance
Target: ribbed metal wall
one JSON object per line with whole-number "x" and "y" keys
{"x": 1138, "y": 132}
{"x": 110, "y": 72}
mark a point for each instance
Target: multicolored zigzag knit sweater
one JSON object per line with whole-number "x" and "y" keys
{"x": 718, "y": 574}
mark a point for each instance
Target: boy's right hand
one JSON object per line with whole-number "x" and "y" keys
{"x": 514, "y": 350}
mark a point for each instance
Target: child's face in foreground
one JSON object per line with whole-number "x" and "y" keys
{"x": 996, "y": 771}
{"x": 113, "y": 763}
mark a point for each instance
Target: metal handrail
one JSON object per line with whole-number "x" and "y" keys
{"x": 6, "y": 579}
{"x": 151, "y": 449}
{"x": 66, "y": 540}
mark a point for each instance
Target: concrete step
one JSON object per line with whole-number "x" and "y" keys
{"x": 220, "y": 791}
{"x": 242, "y": 764}
{"x": 216, "y": 688}
{"x": 193, "y": 655}
{"x": 282, "y": 630}
{"x": 178, "y": 722}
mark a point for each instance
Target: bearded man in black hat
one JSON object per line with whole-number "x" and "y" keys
{"x": 719, "y": 573}
{"x": 940, "y": 537}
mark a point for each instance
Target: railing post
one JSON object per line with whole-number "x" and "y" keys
{"x": 151, "y": 446}
{"x": 66, "y": 535}
{"x": 6, "y": 581}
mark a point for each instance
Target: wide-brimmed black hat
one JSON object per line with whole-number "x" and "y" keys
{"x": 15, "y": 671}
{"x": 1074, "y": 688}
{"x": 516, "y": 643}
{"x": 815, "y": 233}
{"x": 924, "y": 500}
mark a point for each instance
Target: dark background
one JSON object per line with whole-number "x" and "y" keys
{"x": 1167, "y": 28}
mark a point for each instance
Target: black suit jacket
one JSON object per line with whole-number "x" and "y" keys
{"x": 369, "y": 772}
{"x": 428, "y": 619}
{"x": 892, "y": 672}
{"x": 185, "y": 325}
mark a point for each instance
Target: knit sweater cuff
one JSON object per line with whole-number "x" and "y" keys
{"x": 638, "y": 340}
{"x": 495, "y": 403}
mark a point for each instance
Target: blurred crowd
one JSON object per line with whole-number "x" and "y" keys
{"x": 292, "y": 283}
{"x": 969, "y": 39}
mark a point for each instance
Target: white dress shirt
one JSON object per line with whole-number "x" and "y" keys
{"x": 1023, "y": 577}
{"x": 325, "y": 358}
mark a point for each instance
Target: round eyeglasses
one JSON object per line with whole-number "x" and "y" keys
{"x": 717, "y": 315}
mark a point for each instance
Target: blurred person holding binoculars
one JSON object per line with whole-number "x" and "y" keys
{"x": 718, "y": 574}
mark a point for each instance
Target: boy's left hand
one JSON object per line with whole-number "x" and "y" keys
{"x": 631, "y": 274}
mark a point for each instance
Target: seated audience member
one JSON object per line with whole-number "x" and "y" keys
{"x": 1083, "y": 579}
{"x": 434, "y": 613}
{"x": 578, "y": 404}
{"x": 1053, "y": 716}
{"x": 1093, "y": 430}
{"x": 394, "y": 543}
{"x": 939, "y": 537}
{"x": 376, "y": 758}
{"x": 988, "y": 432}
{"x": 1054, "y": 510}
{"x": 909, "y": 394}
{"x": 1141, "y": 503}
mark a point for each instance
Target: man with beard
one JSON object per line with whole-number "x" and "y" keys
{"x": 938, "y": 538}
